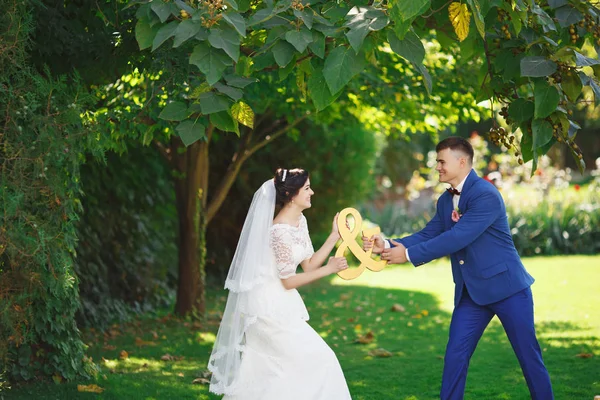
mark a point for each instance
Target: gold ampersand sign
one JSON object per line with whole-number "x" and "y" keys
{"x": 349, "y": 242}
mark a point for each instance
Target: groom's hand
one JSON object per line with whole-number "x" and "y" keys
{"x": 395, "y": 255}
{"x": 374, "y": 242}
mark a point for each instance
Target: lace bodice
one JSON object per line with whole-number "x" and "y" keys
{"x": 291, "y": 245}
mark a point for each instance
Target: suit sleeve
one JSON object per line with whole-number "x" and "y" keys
{"x": 485, "y": 209}
{"x": 433, "y": 228}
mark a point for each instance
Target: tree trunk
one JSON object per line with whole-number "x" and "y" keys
{"x": 190, "y": 190}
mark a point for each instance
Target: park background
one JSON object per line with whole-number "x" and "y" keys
{"x": 126, "y": 174}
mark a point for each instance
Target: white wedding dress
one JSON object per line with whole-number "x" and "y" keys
{"x": 283, "y": 358}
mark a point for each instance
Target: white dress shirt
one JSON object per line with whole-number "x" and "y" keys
{"x": 455, "y": 200}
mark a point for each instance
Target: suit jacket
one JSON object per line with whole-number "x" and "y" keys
{"x": 480, "y": 244}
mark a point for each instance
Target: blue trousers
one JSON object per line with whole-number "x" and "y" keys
{"x": 469, "y": 320}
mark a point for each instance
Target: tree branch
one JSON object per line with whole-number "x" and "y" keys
{"x": 238, "y": 160}
{"x": 273, "y": 136}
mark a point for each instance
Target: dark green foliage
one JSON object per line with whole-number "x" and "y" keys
{"x": 126, "y": 254}
{"x": 41, "y": 143}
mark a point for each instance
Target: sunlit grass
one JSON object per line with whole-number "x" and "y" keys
{"x": 567, "y": 319}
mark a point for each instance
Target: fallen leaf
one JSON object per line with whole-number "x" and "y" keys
{"x": 398, "y": 308}
{"x": 366, "y": 338}
{"x": 90, "y": 388}
{"x": 201, "y": 381}
{"x": 168, "y": 357}
{"x": 140, "y": 343}
{"x": 154, "y": 335}
{"x": 338, "y": 304}
{"x": 344, "y": 297}
{"x": 180, "y": 374}
{"x": 358, "y": 309}
{"x": 123, "y": 355}
{"x": 425, "y": 313}
{"x": 584, "y": 355}
{"x": 380, "y": 353}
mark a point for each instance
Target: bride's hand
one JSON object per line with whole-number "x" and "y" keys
{"x": 334, "y": 228}
{"x": 336, "y": 264}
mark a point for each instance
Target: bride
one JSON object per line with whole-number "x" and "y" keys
{"x": 265, "y": 349}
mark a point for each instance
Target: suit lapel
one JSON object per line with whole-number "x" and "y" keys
{"x": 471, "y": 179}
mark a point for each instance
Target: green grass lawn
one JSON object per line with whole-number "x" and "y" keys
{"x": 567, "y": 299}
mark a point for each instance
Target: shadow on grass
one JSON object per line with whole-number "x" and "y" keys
{"x": 415, "y": 336}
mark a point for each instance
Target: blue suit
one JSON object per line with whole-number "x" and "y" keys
{"x": 490, "y": 280}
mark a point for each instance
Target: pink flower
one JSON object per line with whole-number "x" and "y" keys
{"x": 455, "y": 215}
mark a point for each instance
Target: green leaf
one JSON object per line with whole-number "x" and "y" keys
{"x": 543, "y": 18}
{"x": 243, "y": 113}
{"x": 318, "y": 45}
{"x": 526, "y": 143}
{"x": 426, "y": 77}
{"x": 233, "y": 4}
{"x": 187, "y": 29}
{"x": 411, "y": 8}
{"x": 477, "y": 16}
{"x": 162, "y": 9}
{"x": 557, "y": 3}
{"x": 300, "y": 39}
{"x": 212, "y": 103}
{"x": 411, "y": 48}
{"x": 224, "y": 122}
{"x": 521, "y": 110}
{"x": 190, "y": 132}
{"x": 546, "y": 99}
{"x": 596, "y": 89}
{"x": 287, "y": 70}
{"x": 567, "y": 15}
{"x": 239, "y": 81}
{"x": 210, "y": 61}
{"x": 319, "y": 91}
{"x": 571, "y": 85}
{"x": 262, "y": 61}
{"x": 198, "y": 90}
{"x": 306, "y": 17}
{"x": 379, "y": 20}
{"x": 236, "y": 21}
{"x": 144, "y": 33}
{"x": 542, "y": 133}
{"x": 226, "y": 39}
{"x": 537, "y": 66}
{"x": 174, "y": 111}
{"x": 164, "y": 33}
{"x": 583, "y": 61}
{"x": 340, "y": 66}
{"x": 400, "y": 26}
{"x": 232, "y": 92}
{"x": 283, "y": 53}
{"x": 357, "y": 34}
{"x": 515, "y": 19}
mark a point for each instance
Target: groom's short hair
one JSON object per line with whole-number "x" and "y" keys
{"x": 457, "y": 143}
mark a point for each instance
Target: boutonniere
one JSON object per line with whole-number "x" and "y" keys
{"x": 456, "y": 214}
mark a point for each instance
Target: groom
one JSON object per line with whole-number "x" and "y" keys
{"x": 471, "y": 226}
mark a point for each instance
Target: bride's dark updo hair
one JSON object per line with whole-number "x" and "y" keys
{"x": 288, "y": 188}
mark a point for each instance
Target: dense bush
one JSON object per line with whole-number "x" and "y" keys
{"x": 126, "y": 255}
{"x": 41, "y": 142}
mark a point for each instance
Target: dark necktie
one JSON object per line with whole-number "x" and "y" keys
{"x": 453, "y": 191}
